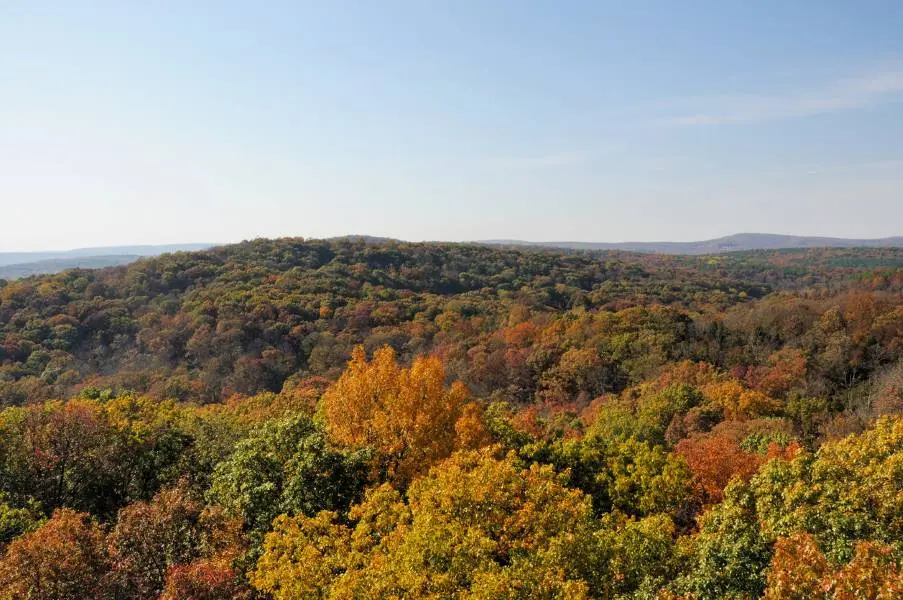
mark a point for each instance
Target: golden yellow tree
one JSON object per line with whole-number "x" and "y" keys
{"x": 475, "y": 527}
{"x": 410, "y": 417}
{"x": 302, "y": 556}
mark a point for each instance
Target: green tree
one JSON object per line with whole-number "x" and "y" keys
{"x": 15, "y": 520}
{"x": 633, "y": 477}
{"x": 848, "y": 490}
{"x": 730, "y": 553}
{"x": 287, "y": 467}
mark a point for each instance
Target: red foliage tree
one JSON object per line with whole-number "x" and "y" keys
{"x": 715, "y": 459}
{"x": 66, "y": 558}
{"x": 204, "y": 580}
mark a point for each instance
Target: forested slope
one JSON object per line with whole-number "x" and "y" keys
{"x": 245, "y": 318}
{"x": 345, "y": 419}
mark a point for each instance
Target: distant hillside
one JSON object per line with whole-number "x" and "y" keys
{"x": 57, "y": 265}
{"x": 731, "y": 243}
{"x": 367, "y": 239}
{"x": 18, "y": 258}
{"x": 250, "y": 317}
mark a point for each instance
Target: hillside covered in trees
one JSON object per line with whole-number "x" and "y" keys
{"x": 346, "y": 419}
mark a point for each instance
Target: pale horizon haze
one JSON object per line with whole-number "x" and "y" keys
{"x": 127, "y": 123}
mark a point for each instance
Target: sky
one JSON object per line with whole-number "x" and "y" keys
{"x": 216, "y": 121}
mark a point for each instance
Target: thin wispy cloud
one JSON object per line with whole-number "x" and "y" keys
{"x": 544, "y": 161}
{"x": 873, "y": 170}
{"x": 844, "y": 94}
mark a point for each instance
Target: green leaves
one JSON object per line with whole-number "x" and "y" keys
{"x": 629, "y": 476}
{"x": 287, "y": 467}
{"x": 15, "y": 521}
{"x": 849, "y": 490}
{"x": 731, "y": 554}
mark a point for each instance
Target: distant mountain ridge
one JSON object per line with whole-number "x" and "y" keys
{"x": 13, "y": 258}
{"x": 732, "y": 243}
{"x": 57, "y": 265}
{"x": 14, "y": 265}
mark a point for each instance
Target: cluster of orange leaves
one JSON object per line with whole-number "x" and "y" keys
{"x": 715, "y": 459}
{"x": 408, "y": 415}
{"x": 799, "y": 570}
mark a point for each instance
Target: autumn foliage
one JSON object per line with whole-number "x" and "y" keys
{"x": 66, "y": 558}
{"x": 205, "y": 580}
{"x": 799, "y": 570}
{"x": 408, "y": 415}
{"x": 285, "y": 419}
{"x": 714, "y": 461}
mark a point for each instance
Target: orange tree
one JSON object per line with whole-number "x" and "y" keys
{"x": 66, "y": 558}
{"x": 409, "y": 416}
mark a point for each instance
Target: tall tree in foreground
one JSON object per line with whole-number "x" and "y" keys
{"x": 475, "y": 527}
{"x": 286, "y": 467}
{"x": 410, "y": 417}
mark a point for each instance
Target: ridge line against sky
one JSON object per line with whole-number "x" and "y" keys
{"x": 142, "y": 250}
{"x": 127, "y": 124}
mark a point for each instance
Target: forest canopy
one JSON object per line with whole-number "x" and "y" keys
{"x": 345, "y": 419}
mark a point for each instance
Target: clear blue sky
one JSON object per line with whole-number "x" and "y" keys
{"x": 186, "y": 121}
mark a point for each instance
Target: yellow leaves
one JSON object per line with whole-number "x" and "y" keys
{"x": 476, "y": 513}
{"x": 474, "y": 527}
{"x": 297, "y": 396}
{"x": 507, "y": 584}
{"x": 49, "y": 289}
{"x": 409, "y": 416}
{"x": 378, "y": 516}
{"x": 16, "y": 293}
{"x": 138, "y": 415}
{"x": 352, "y": 403}
{"x": 739, "y": 402}
{"x": 302, "y": 556}
{"x": 470, "y": 428}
